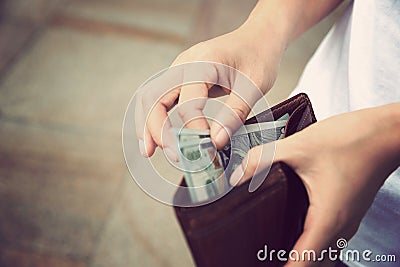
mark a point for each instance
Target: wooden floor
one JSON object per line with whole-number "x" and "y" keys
{"x": 67, "y": 72}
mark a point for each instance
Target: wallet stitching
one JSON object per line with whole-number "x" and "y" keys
{"x": 313, "y": 118}
{"x": 286, "y": 105}
{"x": 298, "y": 109}
{"x": 289, "y": 102}
{"x": 301, "y": 99}
{"x": 304, "y": 119}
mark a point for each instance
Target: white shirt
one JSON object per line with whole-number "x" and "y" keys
{"x": 358, "y": 66}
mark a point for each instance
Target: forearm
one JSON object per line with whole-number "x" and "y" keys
{"x": 385, "y": 143}
{"x": 286, "y": 20}
{"x": 372, "y": 146}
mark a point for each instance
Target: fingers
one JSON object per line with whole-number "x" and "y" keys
{"x": 317, "y": 236}
{"x": 192, "y": 100}
{"x": 193, "y": 96}
{"x": 151, "y": 98}
{"x": 259, "y": 159}
{"x": 153, "y": 127}
{"x": 159, "y": 128}
{"x": 229, "y": 119}
{"x": 243, "y": 96}
{"x": 146, "y": 142}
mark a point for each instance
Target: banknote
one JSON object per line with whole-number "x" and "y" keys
{"x": 207, "y": 169}
{"x": 204, "y": 170}
{"x": 249, "y": 136}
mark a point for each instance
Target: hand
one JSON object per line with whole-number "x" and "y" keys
{"x": 254, "y": 49}
{"x": 342, "y": 161}
{"x": 240, "y": 50}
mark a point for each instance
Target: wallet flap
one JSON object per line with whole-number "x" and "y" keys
{"x": 288, "y": 106}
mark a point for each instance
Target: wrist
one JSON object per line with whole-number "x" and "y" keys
{"x": 275, "y": 21}
{"x": 283, "y": 21}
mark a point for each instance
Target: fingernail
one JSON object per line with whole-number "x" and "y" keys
{"x": 221, "y": 137}
{"x": 169, "y": 153}
{"x": 142, "y": 148}
{"x": 236, "y": 175}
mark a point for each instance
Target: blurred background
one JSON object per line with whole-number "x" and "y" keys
{"x": 67, "y": 72}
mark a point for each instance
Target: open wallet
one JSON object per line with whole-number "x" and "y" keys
{"x": 232, "y": 230}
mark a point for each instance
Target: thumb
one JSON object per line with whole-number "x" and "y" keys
{"x": 311, "y": 247}
{"x": 260, "y": 158}
{"x": 229, "y": 118}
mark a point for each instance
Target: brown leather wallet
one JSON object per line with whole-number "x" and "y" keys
{"x": 232, "y": 230}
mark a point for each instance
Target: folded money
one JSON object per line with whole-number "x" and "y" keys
{"x": 207, "y": 170}
{"x": 204, "y": 171}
